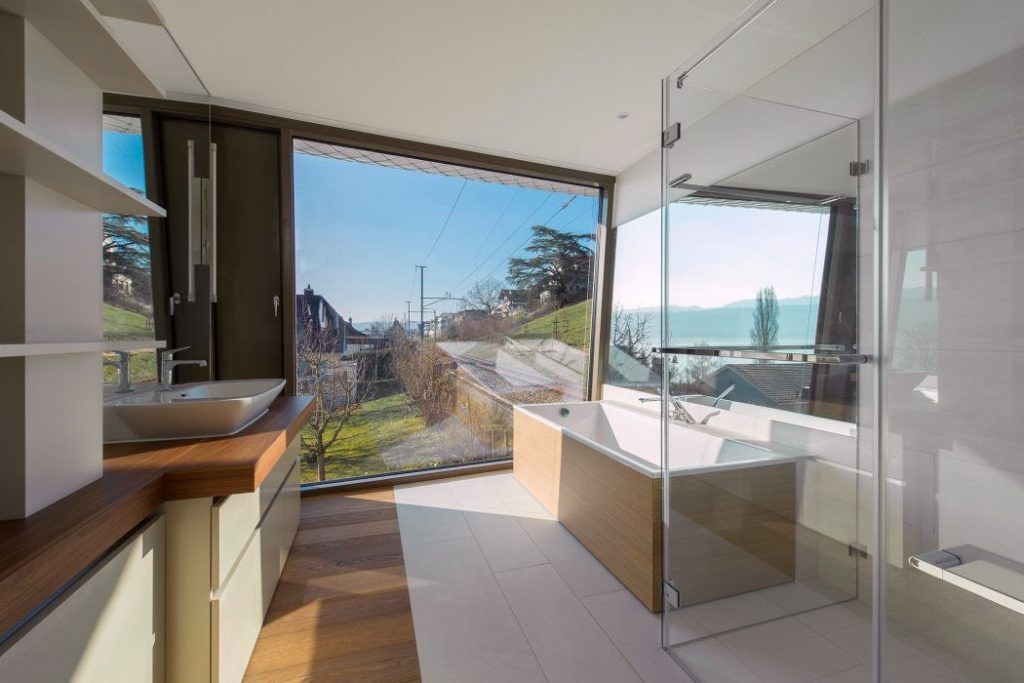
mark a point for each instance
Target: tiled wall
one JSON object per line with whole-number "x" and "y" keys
{"x": 955, "y": 159}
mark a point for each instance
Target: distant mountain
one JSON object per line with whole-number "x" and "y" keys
{"x": 792, "y": 301}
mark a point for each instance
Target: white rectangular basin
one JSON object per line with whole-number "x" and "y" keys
{"x": 188, "y": 411}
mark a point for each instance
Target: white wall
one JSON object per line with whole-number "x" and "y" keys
{"x": 638, "y": 189}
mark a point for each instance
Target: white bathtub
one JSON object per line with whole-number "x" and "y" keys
{"x": 632, "y": 436}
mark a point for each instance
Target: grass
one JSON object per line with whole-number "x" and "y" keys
{"x": 573, "y": 325}
{"x": 376, "y": 426}
{"x": 120, "y": 323}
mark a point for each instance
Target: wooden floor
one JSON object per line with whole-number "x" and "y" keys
{"x": 341, "y": 611}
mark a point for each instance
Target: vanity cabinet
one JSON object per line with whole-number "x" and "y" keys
{"x": 108, "y": 626}
{"x": 225, "y": 556}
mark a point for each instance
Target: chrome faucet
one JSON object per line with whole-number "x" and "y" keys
{"x": 124, "y": 371}
{"x": 728, "y": 390}
{"x": 167, "y": 365}
{"x": 679, "y": 411}
{"x": 681, "y": 414}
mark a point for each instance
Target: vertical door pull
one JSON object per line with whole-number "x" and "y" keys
{"x": 213, "y": 222}
{"x": 191, "y": 265}
{"x": 277, "y": 305}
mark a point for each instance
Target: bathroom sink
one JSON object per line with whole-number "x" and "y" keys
{"x": 188, "y": 411}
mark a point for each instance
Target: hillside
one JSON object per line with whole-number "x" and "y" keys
{"x": 570, "y": 325}
{"x": 120, "y": 323}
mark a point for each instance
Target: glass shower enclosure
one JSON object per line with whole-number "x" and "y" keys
{"x": 828, "y": 512}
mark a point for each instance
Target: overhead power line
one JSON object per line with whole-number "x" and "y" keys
{"x": 446, "y": 220}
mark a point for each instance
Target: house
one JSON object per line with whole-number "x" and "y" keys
{"x": 315, "y": 315}
{"x": 785, "y": 386}
{"x": 512, "y": 301}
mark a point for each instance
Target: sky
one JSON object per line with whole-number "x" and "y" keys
{"x": 361, "y": 229}
{"x": 122, "y": 159}
{"x": 719, "y": 255}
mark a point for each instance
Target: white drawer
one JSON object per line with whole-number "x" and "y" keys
{"x": 235, "y": 517}
{"x": 241, "y": 603}
{"x": 108, "y": 627}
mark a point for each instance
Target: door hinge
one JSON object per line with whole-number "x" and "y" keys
{"x": 859, "y": 168}
{"x": 670, "y": 135}
{"x": 670, "y": 594}
{"x": 856, "y": 549}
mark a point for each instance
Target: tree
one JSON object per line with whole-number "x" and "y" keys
{"x": 338, "y": 388}
{"x": 485, "y": 295}
{"x": 631, "y": 333}
{"x": 765, "y": 331}
{"x": 126, "y": 254}
{"x": 699, "y": 373}
{"x": 427, "y": 375}
{"x": 560, "y": 265}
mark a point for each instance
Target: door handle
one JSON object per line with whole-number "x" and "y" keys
{"x": 172, "y": 302}
{"x": 191, "y": 293}
{"x": 213, "y": 222}
{"x": 277, "y": 306}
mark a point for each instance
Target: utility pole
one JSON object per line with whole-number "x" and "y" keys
{"x": 422, "y": 270}
{"x": 432, "y": 300}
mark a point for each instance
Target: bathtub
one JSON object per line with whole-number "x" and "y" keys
{"x": 632, "y": 436}
{"x": 596, "y": 466}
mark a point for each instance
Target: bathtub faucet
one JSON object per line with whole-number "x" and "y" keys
{"x": 679, "y": 411}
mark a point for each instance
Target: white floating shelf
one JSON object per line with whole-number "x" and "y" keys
{"x": 57, "y": 348}
{"x": 81, "y": 33}
{"x": 26, "y": 153}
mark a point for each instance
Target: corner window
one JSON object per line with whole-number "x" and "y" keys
{"x": 430, "y": 300}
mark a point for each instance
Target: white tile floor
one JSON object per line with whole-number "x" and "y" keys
{"x": 826, "y": 645}
{"x": 501, "y": 591}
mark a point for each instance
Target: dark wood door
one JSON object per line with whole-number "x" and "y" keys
{"x": 248, "y": 314}
{"x": 191, "y": 323}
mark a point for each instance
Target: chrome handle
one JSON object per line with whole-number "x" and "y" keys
{"x": 169, "y": 353}
{"x": 172, "y": 303}
{"x": 213, "y": 222}
{"x": 188, "y": 210}
{"x": 277, "y": 305}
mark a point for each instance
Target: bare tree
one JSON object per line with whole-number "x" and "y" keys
{"x": 426, "y": 373}
{"x": 700, "y": 372}
{"x": 338, "y": 388}
{"x": 765, "y": 331}
{"x": 485, "y": 295}
{"x": 631, "y": 332}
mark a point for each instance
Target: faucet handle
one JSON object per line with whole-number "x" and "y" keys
{"x": 169, "y": 353}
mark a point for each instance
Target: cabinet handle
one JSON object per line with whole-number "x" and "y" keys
{"x": 277, "y": 305}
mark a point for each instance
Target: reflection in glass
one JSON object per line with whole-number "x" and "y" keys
{"x": 127, "y": 273}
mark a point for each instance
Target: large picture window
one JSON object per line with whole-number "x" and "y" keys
{"x": 430, "y": 299}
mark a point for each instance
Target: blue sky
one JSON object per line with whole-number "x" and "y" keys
{"x": 360, "y": 229}
{"x": 122, "y": 158}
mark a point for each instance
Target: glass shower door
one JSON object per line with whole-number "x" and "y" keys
{"x": 766, "y": 511}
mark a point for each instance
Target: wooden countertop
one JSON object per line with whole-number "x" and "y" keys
{"x": 41, "y": 553}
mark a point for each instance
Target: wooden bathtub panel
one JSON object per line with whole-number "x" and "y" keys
{"x": 615, "y": 512}
{"x": 536, "y": 458}
{"x": 733, "y": 531}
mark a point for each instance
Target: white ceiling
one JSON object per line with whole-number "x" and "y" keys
{"x": 540, "y": 80}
